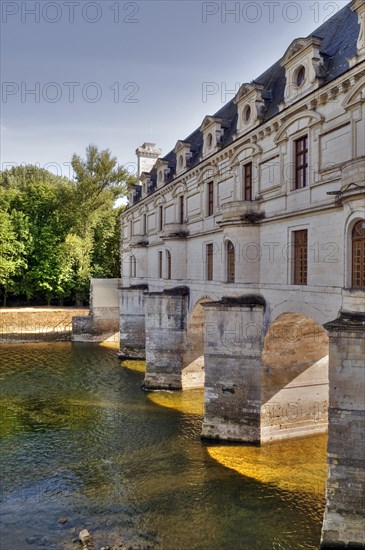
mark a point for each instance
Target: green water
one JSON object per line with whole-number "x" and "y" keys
{"x": 83, "y": 447}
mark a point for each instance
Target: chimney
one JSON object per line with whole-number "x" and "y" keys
{"x": 147, "y": 154}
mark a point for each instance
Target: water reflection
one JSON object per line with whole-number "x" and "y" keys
{"x": 84, "y": 447}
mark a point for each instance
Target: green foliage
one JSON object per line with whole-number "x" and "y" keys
{"x": 55, "y": 233}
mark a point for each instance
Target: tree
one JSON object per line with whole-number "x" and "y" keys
{"x": 55, "y": 233}
{"x": 99, "y": 183}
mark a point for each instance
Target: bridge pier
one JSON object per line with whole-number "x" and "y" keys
{"x": 166, "y": 338}
{"x": 233, "y": 355}
{"x": 343, "y": 525}
{"x": 132, "y": 322}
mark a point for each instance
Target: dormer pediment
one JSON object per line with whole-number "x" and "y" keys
{"x": 145, "y": 177}
{"x": 297, "y": 47}
{"x": 247, "y": 90}
{"x": 304, "y": 67}
{"x": 181, "y": 145}
{"x": 208, "y": 121}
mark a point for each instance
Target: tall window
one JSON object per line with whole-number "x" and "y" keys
{"x": 230, "y": 262}
{"x": 209, "y": 260}
{"x": 168, "y": 261}
{"x": 247, "y": 182}
{"x": 160, "y": 264}
{"x": 210, "y": 199}
{"x": 132, "y": 266}
{"x": 144, "y": 224}
{"x": 131, "y": 228}
{"x": 181, "y": 209}
{"x": 301, "y": 163}
{"x": 358, "y": 255}
{"x": 160, "y": 218}
{"x": 300, "y": 257}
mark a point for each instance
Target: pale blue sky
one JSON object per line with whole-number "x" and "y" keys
{"x": 118, "y": 73}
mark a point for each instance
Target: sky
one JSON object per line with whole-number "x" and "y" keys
{"x": 120, "y": 73}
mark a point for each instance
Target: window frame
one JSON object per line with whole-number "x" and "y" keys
{"x": 160, "y": 217}
{"x": 181, "y": 209}
{"x": 168, "y": 265}
{"x": 301, "y": 172}
{"x": 132, "y": 267}
{"x": 209, "y": 252}
{"x": 247, "y": 181}
{"x": 230, "y": 262}
{"x": 160, "y": 264}
{"x": 210, "y": 199}
{"x": 300, "y": 257}
{"x": 357, "y": 248}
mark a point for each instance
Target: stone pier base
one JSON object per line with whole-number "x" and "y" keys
{"x": 166, "y": 338}
{"x": 132, "y": 323}
{"x": 344, "y": 519}
{"x": 233, "y": 351}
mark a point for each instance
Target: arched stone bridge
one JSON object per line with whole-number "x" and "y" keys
{"x": 273, "y": 367}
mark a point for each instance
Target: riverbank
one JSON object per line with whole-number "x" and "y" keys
{"x": 38, "y": 324}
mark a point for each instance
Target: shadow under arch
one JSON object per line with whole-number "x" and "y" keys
{"x": 193, "y": 371}
{"x": 294, "y": 378}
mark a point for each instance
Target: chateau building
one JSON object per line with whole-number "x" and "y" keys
{"x": 243, "y": 261}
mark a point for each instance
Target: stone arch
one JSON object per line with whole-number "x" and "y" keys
{"x": 245, "y": 152}
{"x": 317, "y": 313}
{"x": 193, "y": 371}
{"x": 294, "y": 378}
{"x": 209, "y": 172}
{"x": 355, "y": 95}
{"x": 312, "y": 119}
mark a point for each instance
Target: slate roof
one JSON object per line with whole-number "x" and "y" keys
{"x": 339, "y": 35}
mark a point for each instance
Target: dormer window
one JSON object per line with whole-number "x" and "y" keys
{"x": 145, "y": 179}
{"x": 212, "y": 129}
{"x": 250, "y": 101}
{"x": 183, "y": 155}
{"x": 162, "y": 169}
{"x": 304, "y": 67}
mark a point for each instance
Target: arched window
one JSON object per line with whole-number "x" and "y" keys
{"x": 132, "y": 267}
{"x": 358, "y": 255}
{"x": 230, "y": 262}
{"x": 168, "y": 263}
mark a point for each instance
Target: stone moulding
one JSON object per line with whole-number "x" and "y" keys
{"x": 250, "y": 300}
{"x": 347, "y": 321}
{"x": 177, "y": 291}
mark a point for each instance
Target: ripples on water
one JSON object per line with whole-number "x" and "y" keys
{"x": 81, "y": 442}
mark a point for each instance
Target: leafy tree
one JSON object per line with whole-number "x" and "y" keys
{"x": 55, "y": 233}
{"x": 99, "y": 183}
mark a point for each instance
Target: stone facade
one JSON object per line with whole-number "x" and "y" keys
{"x": 254, "y": 215}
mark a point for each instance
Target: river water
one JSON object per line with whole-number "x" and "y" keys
{"x": 82, "y": 446}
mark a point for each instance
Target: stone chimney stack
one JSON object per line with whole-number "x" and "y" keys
{"x": 147, "y": 154}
